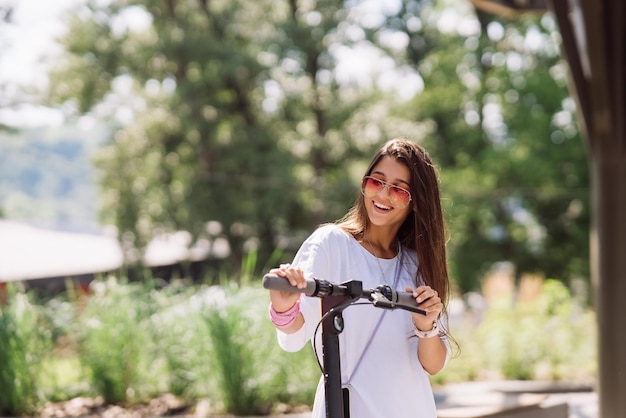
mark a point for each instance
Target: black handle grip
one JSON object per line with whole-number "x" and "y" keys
{"x": 404, "y": 298}
{"x": 394, "y": 298}
{"x": 273, "y": 282}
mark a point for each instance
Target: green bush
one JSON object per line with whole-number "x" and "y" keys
{"x": 216, "y": 343}
{"x": 550, "y": 338}
{"x": 23, "y": 346}
{"x": 180, "y": 344}
{"x": 252, "y": 371}
{"x": 114, "y": 337}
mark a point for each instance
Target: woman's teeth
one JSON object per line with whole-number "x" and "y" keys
{"x": 382, "y": 207}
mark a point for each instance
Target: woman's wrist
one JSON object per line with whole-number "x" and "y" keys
{"x": 286, "y": 318}
{"x": 434, "y": 331}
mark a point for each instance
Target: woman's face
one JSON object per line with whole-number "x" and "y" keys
{"x": 388, "y": 208}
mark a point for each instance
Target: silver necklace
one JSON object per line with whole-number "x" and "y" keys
{"x": 380, "y": 267}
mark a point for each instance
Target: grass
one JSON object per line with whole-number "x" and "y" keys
{"x": 23, "y": 345}
{"x": 113, "y": 340}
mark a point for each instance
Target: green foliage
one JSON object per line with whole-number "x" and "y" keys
{"x": 550, "y": 338}
{"x": 242, "y": 348}
{"x": 513, "y": 166}
{"x": 194, "y": 342}
{"x": 180, "y": 344}
{"x": 23, "y": 346}
{"x": 114, "y": 333}
{"x": 234, "y": 361}
{"x": 135, "y": 341}
{"x": 241, "y": 115}
{"x": 197, "y": 155}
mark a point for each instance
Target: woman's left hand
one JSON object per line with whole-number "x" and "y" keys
{"x": 428, "y": 300}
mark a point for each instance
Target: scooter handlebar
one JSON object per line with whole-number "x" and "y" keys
{"x": 382, "y": 296}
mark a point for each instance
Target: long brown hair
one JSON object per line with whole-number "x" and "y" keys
{"x": 424, "y": 228}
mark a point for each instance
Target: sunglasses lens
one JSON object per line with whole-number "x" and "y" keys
{"x": 399, "y": 196}
{"x": 372, "y": 186}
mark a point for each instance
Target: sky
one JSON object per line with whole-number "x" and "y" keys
{"x": 25, "y": 42}
{"x": 35, "y": 25}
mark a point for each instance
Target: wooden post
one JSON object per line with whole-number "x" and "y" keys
{"x": 608, "y": 261}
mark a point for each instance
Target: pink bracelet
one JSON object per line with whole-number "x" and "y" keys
{"x": 283, "y": 319}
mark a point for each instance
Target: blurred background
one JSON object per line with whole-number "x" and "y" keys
{"x": 169, "y": 150}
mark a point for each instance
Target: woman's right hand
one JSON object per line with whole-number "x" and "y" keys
{"x": 283, "y": 301}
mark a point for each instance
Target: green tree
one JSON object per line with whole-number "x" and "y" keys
{"x": 513, "y": 166}
{"x": 236, "y": 115}
{"x": 239, "y": 113}
{"x": 196, "y": 148}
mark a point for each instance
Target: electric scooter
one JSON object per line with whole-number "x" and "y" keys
{"x": 335, "y": 298}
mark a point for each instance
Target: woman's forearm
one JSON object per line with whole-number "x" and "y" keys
{"x": 432, "y": 353}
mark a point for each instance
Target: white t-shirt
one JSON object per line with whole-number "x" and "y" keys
{"x": 390, "y": 381}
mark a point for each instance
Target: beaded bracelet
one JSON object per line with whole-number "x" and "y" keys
{"x": 284, "y": 319}
{"x": 427, "y": 334}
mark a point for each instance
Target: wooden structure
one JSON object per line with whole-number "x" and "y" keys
{"x": 594, "y": 35}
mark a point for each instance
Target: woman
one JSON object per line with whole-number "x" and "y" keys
{"x": 394, "y": 235}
